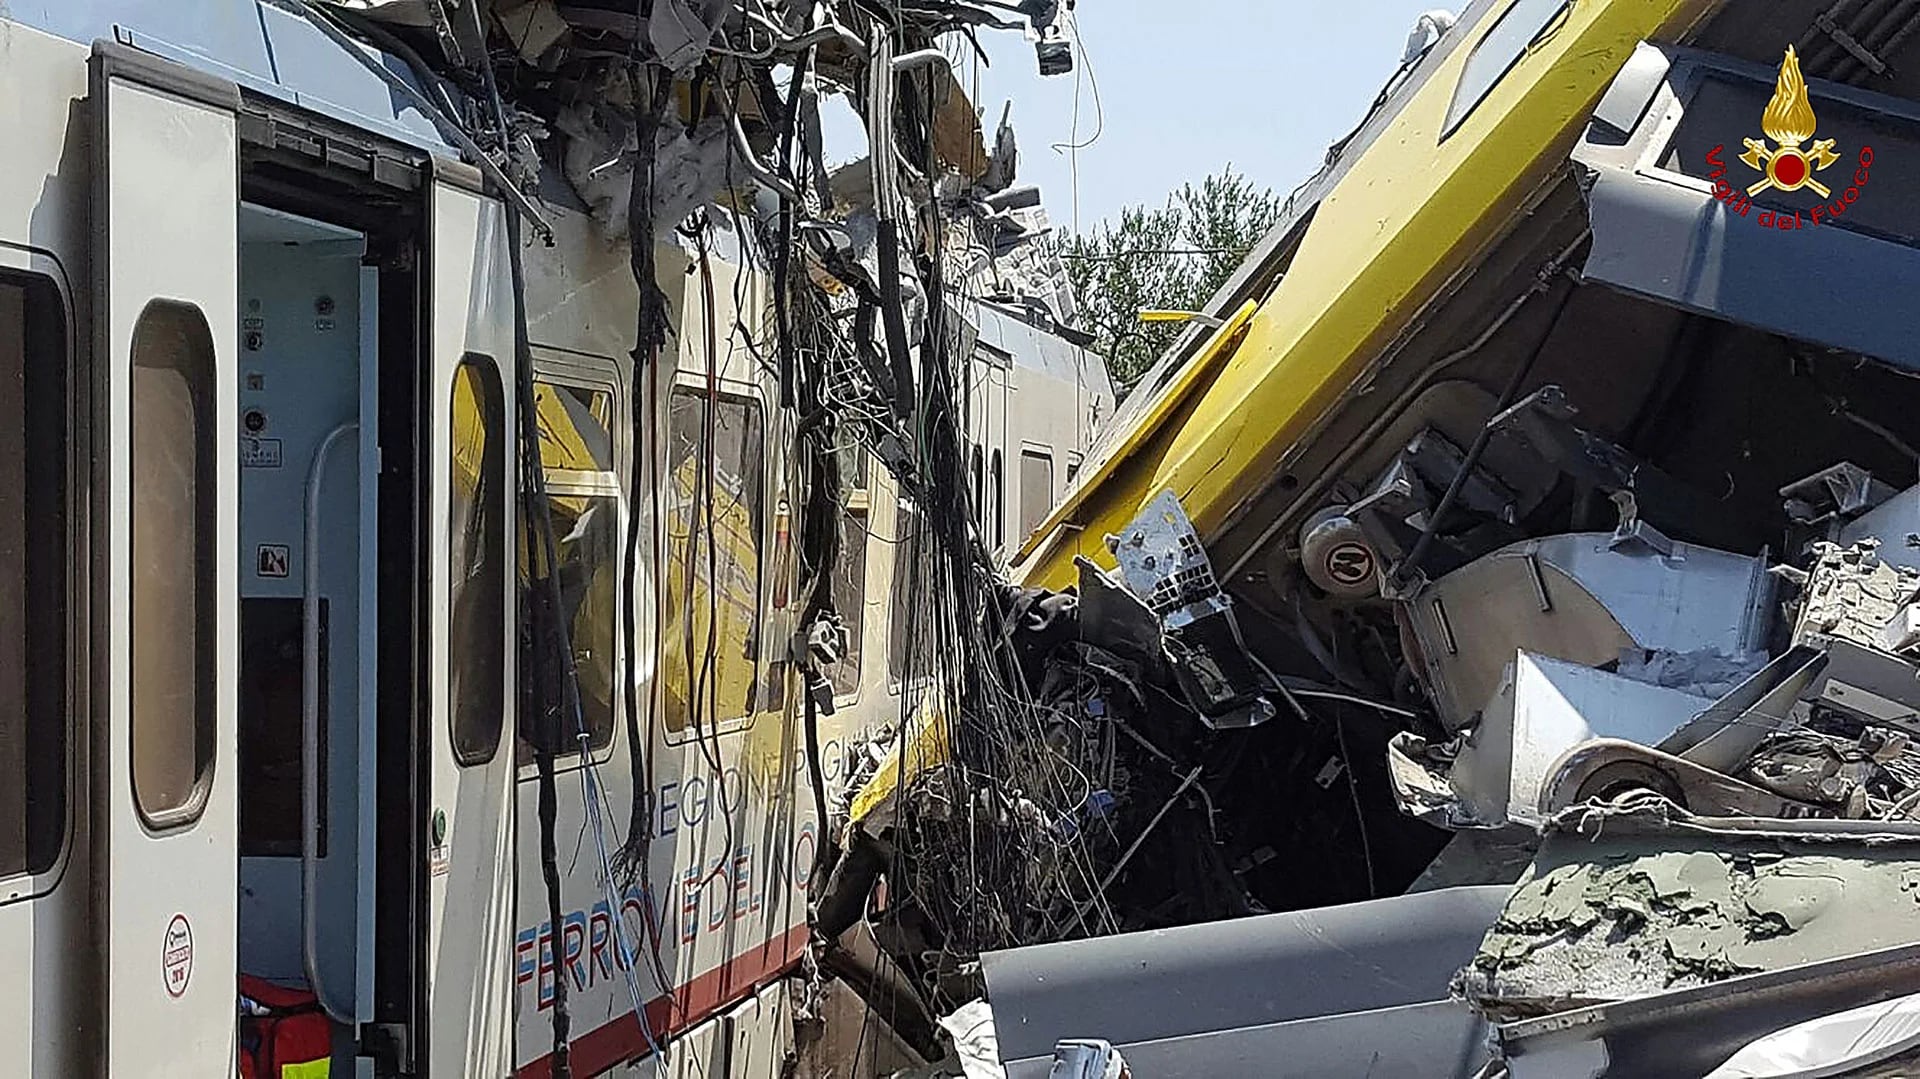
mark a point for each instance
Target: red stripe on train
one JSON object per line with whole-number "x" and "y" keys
{"x": 621, "y": 1040}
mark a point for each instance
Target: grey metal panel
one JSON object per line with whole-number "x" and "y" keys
{"x": 1659, "y": 232}
{"x": 1667, "y": 242}
{"x": 1034, "y": 348}
{"x": 1441, "y": 1040}
{"x": 249, "y": 42}
{"x": 324, "y": 80}
{"x": 115, "y": 59}
{"x": 1277, "y": 968}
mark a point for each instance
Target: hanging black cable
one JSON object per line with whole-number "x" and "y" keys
{"x": 649, "y": 339}
{"x": 549, "y": 628}
{"x": 783, "y": 249}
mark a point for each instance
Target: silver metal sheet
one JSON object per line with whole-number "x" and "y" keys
{"x": 1658, "y": 230}
{"x": 1582, "y": 599}
{"x": 1441, "y": 1040}
{"x": 1155, "y": 986}
{"x": 1545, "y": 707}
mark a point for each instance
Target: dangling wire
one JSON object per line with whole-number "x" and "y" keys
{"x": 545, "y": 555}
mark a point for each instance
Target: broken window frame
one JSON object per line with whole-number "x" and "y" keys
{"x": 760, "y": 696}
{"x": 1500, "y": 45}
{"x": 598, "y": 485}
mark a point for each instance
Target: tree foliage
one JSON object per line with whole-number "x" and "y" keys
{"x": 1171, "y": 258}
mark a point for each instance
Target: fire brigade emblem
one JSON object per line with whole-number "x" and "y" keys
{"x": 1789, "y": 121}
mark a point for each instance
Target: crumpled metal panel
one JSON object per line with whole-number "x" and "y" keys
{"x": 1545, "y": 707}
{"x": 1584, "y": 599}
{"x": 1632, "y": 901}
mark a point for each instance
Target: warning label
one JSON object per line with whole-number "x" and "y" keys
{"x": 259, "y": 453}
{"x": 273, "y": 560}
{"x": 176, "y": 956}
{"x": 1350, "y": 564}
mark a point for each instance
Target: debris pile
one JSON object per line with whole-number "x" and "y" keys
{"x": 1717, "y": 753}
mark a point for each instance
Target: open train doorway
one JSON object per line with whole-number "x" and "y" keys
{"x": 308, "y": 549}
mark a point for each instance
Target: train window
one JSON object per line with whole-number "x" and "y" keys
{"x": 850, "y": 572}
{"x": 999, "y": 502}
{"x": 716, "y": 517}
{"x": 173, "y": 532}
{"x": 1517, "y": 30}
{"x": 33, "y": 574}
{"x": 909, "y": 575}
{"x": 1036, "y": 489}
{"x": 583, "y": 499}
{"x": 476, "y": 554}
{"x": 850, "y": 595}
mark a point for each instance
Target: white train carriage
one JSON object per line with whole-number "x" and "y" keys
{"x": 260, "y": 608}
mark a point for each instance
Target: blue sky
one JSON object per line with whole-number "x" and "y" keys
{"x": 1186, "y": 88}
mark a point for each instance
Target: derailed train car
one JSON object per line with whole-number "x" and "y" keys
{"x": 1515, "y": 592}
{"x": 298, "y": 457}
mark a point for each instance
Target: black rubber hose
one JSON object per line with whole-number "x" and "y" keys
{"x": 895, "y": 318}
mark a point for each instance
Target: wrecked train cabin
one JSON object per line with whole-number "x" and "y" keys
{"x": 454, "y": 456}
{"x": 1492, "y": 649}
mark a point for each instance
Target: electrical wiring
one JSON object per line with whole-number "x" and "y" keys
{"x": 993, "y": 847}
{"x": 589, "y": 776}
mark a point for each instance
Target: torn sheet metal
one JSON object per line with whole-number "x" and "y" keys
{"x": 691, "y": 165}
{"x": 1851, "y": 598}
{"x": 534, "y": 26}
{"x": 1724, "y": 735}
{"x": 681, "y": 31}
{"x": 1163, "y": 562}
{"x": 1421, "y": 775}
{"x": 1543, "y": 708}
{"x": 1834, "y": 1044}
{"x": 1585, "y": 599}
{"x": 1895, "y": 524}
{"x": 1632, "y": 902}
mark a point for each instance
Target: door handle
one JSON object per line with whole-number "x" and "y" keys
{"x": 310, "y": 777}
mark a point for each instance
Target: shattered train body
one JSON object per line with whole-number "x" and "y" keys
{"x": 1517, "y": 592}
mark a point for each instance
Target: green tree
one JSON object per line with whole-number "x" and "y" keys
{"x": 1171, "y": 258}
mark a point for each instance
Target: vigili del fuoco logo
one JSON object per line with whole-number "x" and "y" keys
{"x": 1785, "y": 166}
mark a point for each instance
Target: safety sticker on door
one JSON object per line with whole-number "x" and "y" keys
{"x": 273, "y": 560}
{"x": 176, "y": 956}
{"x": 259, "y": 452}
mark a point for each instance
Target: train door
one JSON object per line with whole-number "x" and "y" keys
{"x": 470, "y": 896}
{"x": 165, "y": 215}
